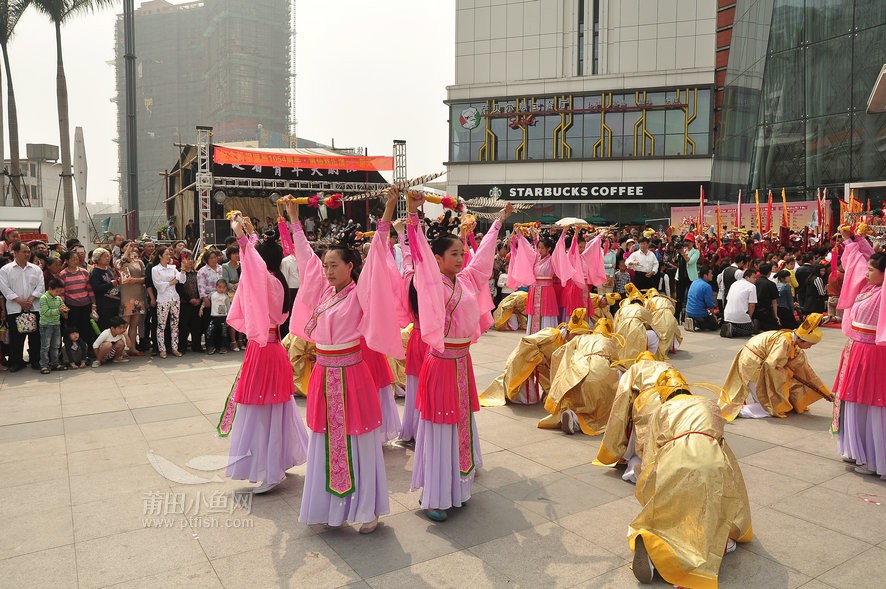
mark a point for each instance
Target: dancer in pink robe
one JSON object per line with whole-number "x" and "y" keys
{"x": 542, "y": 306}
{"x": 269, "y": 436}
{"x": 455, "y": 307}
{"x": 416, "y": 349}
{"x": 345, "y": 479}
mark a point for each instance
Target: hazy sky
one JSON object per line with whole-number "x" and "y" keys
{"x": 368, "y": 73}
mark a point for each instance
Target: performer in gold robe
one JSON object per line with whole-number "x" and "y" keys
{"x": 636, "y": 400}
{"x": 664, "y": 323}
{"x": 693, "y": 497}
{"x": 398, "y": 367}
{"x": 302, "y": 356}
{"x": 772, "y": 368}
{"x": 633, "y": 322}
{"x": 583, "y": 382}
{"x": 601, "y": 304}
{"x": 510, "y": 315}
{"x": 527, "y": 374}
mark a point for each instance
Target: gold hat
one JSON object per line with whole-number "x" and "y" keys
{"x": 578, "y": 324}
{"x": 603, "y": 327}
{"x": 669, "y": 381}
{"x": 809, "y": 331}
{"x": 633, "y": 294}
{"x": 612, "y": 297}
{"x": 645, "y": 355}
{"x": 649, "y": 233}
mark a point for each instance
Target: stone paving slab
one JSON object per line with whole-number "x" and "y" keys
{"x": 110, "y": 477}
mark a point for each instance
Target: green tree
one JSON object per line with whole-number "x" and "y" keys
{"x": 59, "y": 11}
{"x": 10, "y": 13}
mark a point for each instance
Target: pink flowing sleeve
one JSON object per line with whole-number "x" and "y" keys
{"x": 479, "y": 271}
{"x": 378, "y": 279}
{"x": 521, "y": 271}
{"x": 563, "y": 268}
{"x": 312, "y": 282}
{"x": 249, "y": 312}
{"x": 592, "y": 258}
{"x": 429, "y": 286}
{"x": 855, "y": 262}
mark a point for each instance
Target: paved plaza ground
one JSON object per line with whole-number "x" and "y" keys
{"x": 84, "y": 504}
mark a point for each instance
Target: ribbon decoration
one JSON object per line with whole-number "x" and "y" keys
{"x": 784, "y": 209}
{"x": 759, "y": 217}
{"x": 333, "y": 201}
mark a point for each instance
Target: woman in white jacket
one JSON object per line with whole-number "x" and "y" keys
{"x": 165, "y": 277}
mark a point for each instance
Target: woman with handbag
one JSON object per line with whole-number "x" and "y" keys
{"x": 106, "y": 287}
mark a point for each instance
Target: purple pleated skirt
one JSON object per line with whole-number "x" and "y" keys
{"x": 390, "y": 417}
{"x": 410, "y": 415}
{"x": 435, "y": 470}
{"x": 534, "y": 324}
{"x": 266, "y": 441}
{"x": 369, "y": 499}
{"x": 862, "y": 435}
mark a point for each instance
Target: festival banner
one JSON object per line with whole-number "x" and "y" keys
{"x": 799, "y": 214}
{"x": 285, "y": 158}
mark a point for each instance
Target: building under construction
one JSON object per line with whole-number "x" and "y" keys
{"x": 220, "y": 63}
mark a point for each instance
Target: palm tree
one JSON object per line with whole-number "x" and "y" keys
{"x": 10, "y": 13}
{"x": 58, "y": 12}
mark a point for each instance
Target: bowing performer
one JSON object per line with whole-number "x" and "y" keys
{"x": 454, "y": 305}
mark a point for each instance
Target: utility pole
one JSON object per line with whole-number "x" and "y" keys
{"x": 131, "y": 127}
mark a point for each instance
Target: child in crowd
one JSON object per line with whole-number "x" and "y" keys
{"x": 52, "y": 309}
{"x": 75, "y": 349}
{"x": 216, "y": 334}
{"x": 111, "y": 344}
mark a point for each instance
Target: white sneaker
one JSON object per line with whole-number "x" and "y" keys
{"x": 264, "y": 487}
{"x": 730, "y": 546}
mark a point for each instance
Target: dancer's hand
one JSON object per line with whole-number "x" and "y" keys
{"x": 506, "y": 212}
{"x": 413, "y": 201}
{"x": 291, "y": 208}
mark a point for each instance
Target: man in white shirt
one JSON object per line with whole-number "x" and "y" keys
{"x": 396, "y": 250}
{"x": 289, "y": 269}
{"x": 740, "y": 306}
{"x": 644, "y": 263}
{"x": 21, "y": 284}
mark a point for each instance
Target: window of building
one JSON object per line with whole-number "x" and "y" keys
{"x": 581, "y": 38}
{"x": 595, "y": 45}
{"x": 605, "y": 125}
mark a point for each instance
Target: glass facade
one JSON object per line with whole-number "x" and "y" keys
{"x": 797, "y": 84}
{"x": 673, "y": 122}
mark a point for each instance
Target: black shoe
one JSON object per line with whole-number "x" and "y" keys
{"x": 15, "y": 368}
{"x": 642, "y": 566}
{"x": 61, "y": 367}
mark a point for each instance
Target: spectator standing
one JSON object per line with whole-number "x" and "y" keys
{"x": 231, "y": 271}
{"x": 645, "y": 265}
{"x": 687, "y": 269}
{"x": 190, "y": 321}
{"x": 106, "y": 287}
{"x": 78, "y": 297}
{"x": 52, "y": 309}
{"x": 785, "y": 300}
{"x": 813, "y": 293}
{"x": 289, "y": 270}
{"x": 207, "y": 277}
{"x": 132, "y": 292}
{"x": 148, "y": 338}
{"x": 165, "y": 277}
{"x": 766, "y": 309}
{"x": 218, "y": 311}
{"x": 835, "y": 285}
{"x": 21, "y": 284}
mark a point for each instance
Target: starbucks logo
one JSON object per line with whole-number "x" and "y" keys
{"x": 495, "y": 192}
{"x": 470, "y": 118}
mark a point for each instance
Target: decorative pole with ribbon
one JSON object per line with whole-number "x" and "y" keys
{"x": 700, "y": 227}
{"x": 759, "y": 216}
{"x": 784, "y": 209}
{"x": 738, "y": 211}
{"x": 769, "y": 213}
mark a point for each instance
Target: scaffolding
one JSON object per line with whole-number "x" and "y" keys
{"x": 400, "y": 172}
{"x": 204, "y": 175}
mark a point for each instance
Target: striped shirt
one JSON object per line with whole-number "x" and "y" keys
{"x": 50, "y": 309}
{"x": 78, "y": 291}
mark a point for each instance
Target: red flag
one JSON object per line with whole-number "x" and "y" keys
{"x": 759, "y": 216}
{"x": 769, "y": 214}
{"x": 719, "y": 223}
{"x": 820, "y": 210}
{"x": 700, "y": 209}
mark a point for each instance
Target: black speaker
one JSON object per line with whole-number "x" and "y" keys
{"x": 217, "y": 230}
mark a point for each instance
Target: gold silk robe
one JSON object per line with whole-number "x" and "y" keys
{"x": 532, "y": 355}
{"x": 601, "y": 307}
{"x": 302, "y": 356}
{"x": 692, "y": 493}
{"x": 583, "y": 380}
{"x": 513, "y": 304}
{"x": 627, "y": 408}
{"x": 631, "y": 323}
{"x": 664, "y": 324}
{"x": 784, "y": 379}
{"x": 398, "y": 367}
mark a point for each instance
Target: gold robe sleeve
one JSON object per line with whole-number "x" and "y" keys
{"x": 692, "y": 493}
{"x": 511, "y": 304}
{"x": 302, "y": 356}
{"x": 631, "y": 323}
{"x": 665, "y": 325}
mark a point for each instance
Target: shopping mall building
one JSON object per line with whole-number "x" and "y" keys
{"x": 620, "y": 109}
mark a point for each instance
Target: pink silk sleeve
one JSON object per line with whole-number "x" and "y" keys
{"x": 312, "y": 282}
{"x": 249, "y": 310}
{"x": 479, "y": 271}
{"x": 521, "y": 271}
{"x": 592, "y": 258}
{"x": 563, "y": 268}
{"x": 429, "y": 286}
{"x": 378, "y": 278}
{"x": 855, "y": 262}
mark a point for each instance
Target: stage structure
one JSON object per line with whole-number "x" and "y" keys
{"x": 209, "y": 179}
